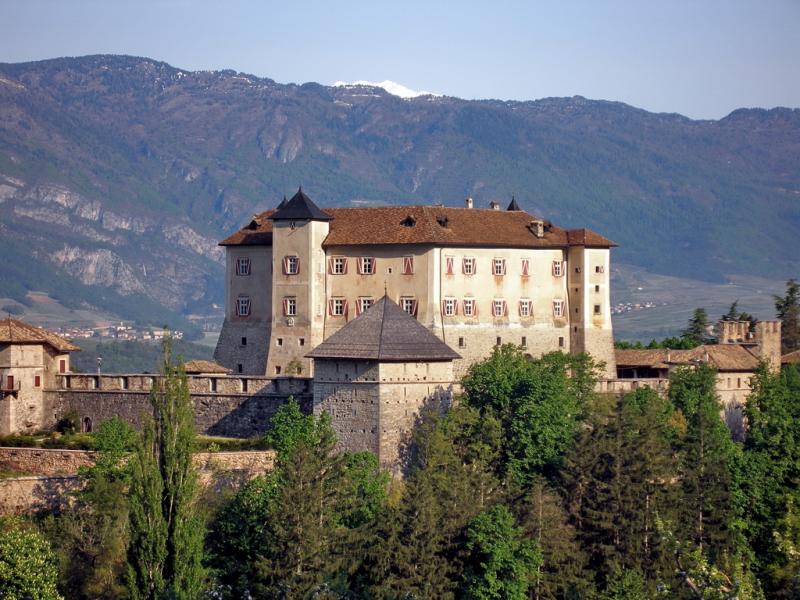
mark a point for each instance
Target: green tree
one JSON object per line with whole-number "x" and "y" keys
{"x": 538, "y": 403}
{"x": 27, "y": 564}
{"x": 167, "y": 529}
{"x": 90, "y": 539}
{"x": 708, "y": 458}
{"x": 500, "y": 564}
{"x": 696, "y": 331}
{"x": 734, "y": 314}
{"x": 628, "y": 584}
{"x": 787, "y": 308}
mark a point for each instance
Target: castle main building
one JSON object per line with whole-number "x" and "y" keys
{"x": 475, "y": 278}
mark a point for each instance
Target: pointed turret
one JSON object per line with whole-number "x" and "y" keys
{"x": 513, "y": 205}
{"x": 300, "y": 208}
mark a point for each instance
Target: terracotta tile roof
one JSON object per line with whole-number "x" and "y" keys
{"x": 723, "y": 357}
{"x": 15, "y": 331}
{"x": 429, "y": 225}
{"x": 385, "y": 332}
{"x": 195, "y": 367}
{"x": 793, "y": 358}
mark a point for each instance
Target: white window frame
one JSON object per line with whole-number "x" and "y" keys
{"x": 338, "y": 265}
{"x": 469, "y": 307}
{"x": 409, "y": 305}
{"x": 450, "y": 307}
{"x": 498, "y": 267}
{"x": 364, "y": 302}
{"x": 499, "y": 307}
{"x": 290, "y": 306}
{"x": 366, "y": 265}
{"x": 291, "y": 265}
{"x": 243, "y": 266}
{"x": 558, "y": 307}
{"x": 526, "y": 308}
{"x": 243, "y": 306}
{"x": 338, "y": 307}
{"x": 558, "y": 268}
{"x": 468, "y": 261}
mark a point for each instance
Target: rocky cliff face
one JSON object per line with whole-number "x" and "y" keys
{"x": 118, "y": 174}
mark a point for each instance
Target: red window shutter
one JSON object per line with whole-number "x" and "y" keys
{"x": 62, "y": 366}
{"x": 449, "y": 263}
{"x": 360, "y": 265}
{"x": 330, "y": 307}
{"x": 520, "y": 307}
{"x": 285, "y": 307}
{"x": 358, "y": 307}
{"x": 37, "y": 381}
{"x": 525, "y": 267}
{"x": 330, "y": 266}
{"x": 414, "y": 307}
{"x": 474, "y": 265}
{"x": 505, "y": 308}
{"x": 10, "y": 382}
{"x": 463, "y": 266}
{"x": 408, "y": 265}
{"x": 285, "y": 263}
{"x": 504, "y": 266}
{"x": 345, "y": 309}
{"x": 344, "y": 271}
{"x": 455, "y": 307}
{"x": 297, "y": 266}
{"x": 374, "y": 264}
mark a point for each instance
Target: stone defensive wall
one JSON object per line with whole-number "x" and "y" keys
{"x": 224, "y": 405}
{"x": 50, "y": 475}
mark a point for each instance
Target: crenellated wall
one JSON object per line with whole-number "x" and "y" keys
{"x": 223, "y": 405}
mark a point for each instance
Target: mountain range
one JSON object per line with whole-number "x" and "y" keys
{"x": 118, "y": 175}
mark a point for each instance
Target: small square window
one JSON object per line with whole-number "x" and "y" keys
{"x": 302, "y": 341}
{"x": 597, "y": 309}
{"x": 462, "y": 343}
{"x": 279, "y": 342}
{"x": 212, "y": 385}
{"x": 239, "y": 368}
{"x": 409, "y": 304}
{"x": 291, "y": 265}
{"x": 597, "y": 288}
{"x": 524, "y": 342}
{"x": 243, "y": 266}
{"x": 277, "y": 370}
{"x": 560, "y": 342}
{"x": 37, "y": 381}
{"x": 499, "y": 341}
{"x": 244, "y": 341}
{"x": 600, "y": 269}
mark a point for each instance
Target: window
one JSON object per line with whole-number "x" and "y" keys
{"x": 558, "y": 268}
{"x": 337, "y": 265}
{"x": 469, "y": 307}
{"x": 597, "y": 309}
{"x": 577, "y": 269}
{"x": 290, "y": 306}
{"x": 123, "y": 383}
{"x": 499, "y": 266}
{"x": 363, "y": 304}
{"x": 468, "y": 265}
{"x": 526, "y": 267}
{"x": 291, "y": 265}
{"x": 337, "y": 307}
{"x": 558, "y": 308}
{"x": 448, "y": 264}
{"x": 409, "y": 304}
{"x": 243, "y": 306}
{"x": 366, "y": 265}
{"x": 243, "y": 266}
{"x": 600, "y": 269}
{"x": 498, "y": 341}
{"x": 279, "y": 342}
{"x": 408, "y": 265}
{"x": 597, "y": 288}
{"x": 524, "y": 342}
{"x": 462, "y": 343}
{"x": 239, "y": 368}
{"x": 244, "y": 341}
{"x": 525, "y": 306}
{"x": 277, "y": 370}
{"x": 212, "y": 385}
{"x": 560, "y": 342}
{"x": 245, "y": 384}
{"x": 37, "y": 381}
{"x": 499, "y": 308}
{"x": 450, "y": 307}
{"x": 62, "y": 366}
{"x": 302, "y": 341}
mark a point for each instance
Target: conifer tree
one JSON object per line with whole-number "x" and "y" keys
{"x": 787, "y": 308}
{"x": 696, "y": 331}
{"x": 167, "y": 530}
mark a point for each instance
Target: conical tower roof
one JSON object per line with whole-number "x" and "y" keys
{"x": 386, "y": 333}
{"x": 513, "y": 205}
{"x": 300, "y": 208}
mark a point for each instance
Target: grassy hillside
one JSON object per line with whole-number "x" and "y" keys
{"x": 132, "y": 356}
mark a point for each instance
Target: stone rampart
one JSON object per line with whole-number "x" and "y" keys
{"x": 224, "y": 405}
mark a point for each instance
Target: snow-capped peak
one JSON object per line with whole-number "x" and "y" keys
{"x": 394, "y": 88}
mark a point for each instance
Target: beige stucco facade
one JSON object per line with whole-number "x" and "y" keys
{"x": 436, "y": 281}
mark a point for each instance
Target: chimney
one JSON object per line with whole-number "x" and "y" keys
{"x": 468, "y": 202}
{"x": 494, "y": 205}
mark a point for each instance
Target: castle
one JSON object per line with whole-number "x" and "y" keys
{"x": 475, "y": 278}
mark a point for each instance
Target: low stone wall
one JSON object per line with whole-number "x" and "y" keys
{"x": 623, "y": 386}
{"x": 225, "y": 406}
{"x": 47, "y": 492}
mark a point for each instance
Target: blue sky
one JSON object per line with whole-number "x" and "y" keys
{"x": 699, "y": 58}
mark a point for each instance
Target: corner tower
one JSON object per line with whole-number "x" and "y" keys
{"x": 298, "y": 285}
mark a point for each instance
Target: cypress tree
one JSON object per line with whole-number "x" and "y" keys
{"x": 167, "y": 530}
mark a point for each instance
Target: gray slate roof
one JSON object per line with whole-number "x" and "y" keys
{"x": 386, "y": 333}
{"x": 299, "y": 208}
